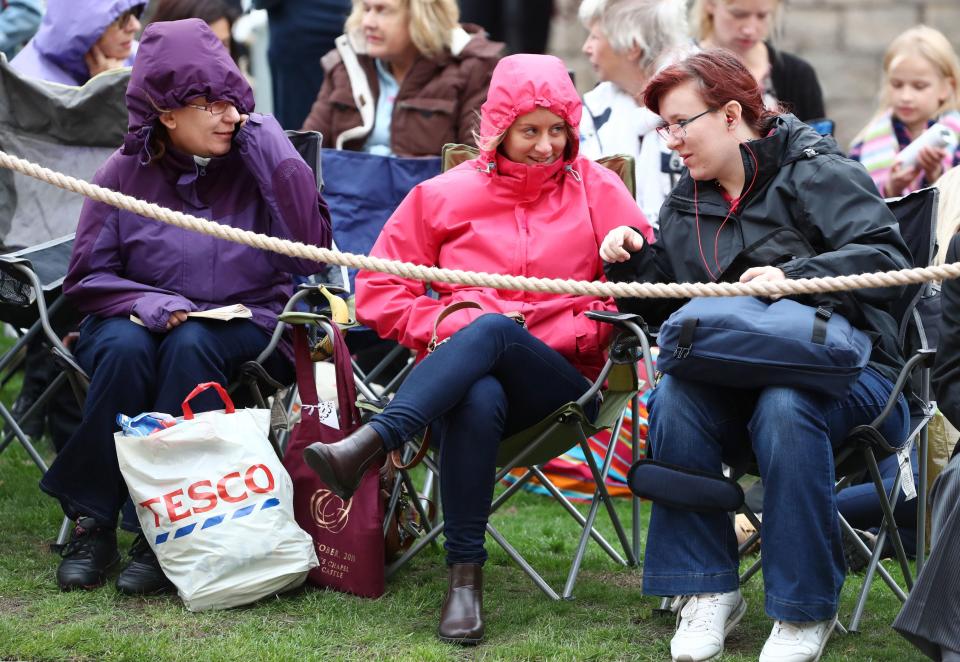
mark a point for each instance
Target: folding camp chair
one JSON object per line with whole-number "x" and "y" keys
{"x": 41, "y": 269}
{"x": 857, "y": 457}
{"x": 71, "y": 129}
{"x": 30, "y": 296}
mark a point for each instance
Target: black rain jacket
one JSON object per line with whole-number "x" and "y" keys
{"x": 811, "y": 212}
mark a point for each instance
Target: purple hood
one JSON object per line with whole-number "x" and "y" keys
{"x": 177, "y": 61}
{"x": 68, "y": 31}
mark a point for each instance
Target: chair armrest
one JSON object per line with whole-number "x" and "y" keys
{"x": 922, "y": 358}
{"x": 619, "y": 320}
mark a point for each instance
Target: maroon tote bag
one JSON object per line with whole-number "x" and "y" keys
{"x": 347, "y": 536}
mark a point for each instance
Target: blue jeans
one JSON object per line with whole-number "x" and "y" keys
{"x": 860, "y": 505}
{"x": 131, "y": 371}
{"x": 792, "y": 433}
{"x": 490, "y": 380}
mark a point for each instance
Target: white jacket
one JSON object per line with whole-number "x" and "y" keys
{"x": 614, "y": 124}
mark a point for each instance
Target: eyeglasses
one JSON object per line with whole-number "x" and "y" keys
{"x": 678, "y": 130}
{"x": 124, "y": 19}
{"x": 215, "y": 108}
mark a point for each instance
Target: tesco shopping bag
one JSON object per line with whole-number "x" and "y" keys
{"x": 216, "y": 505}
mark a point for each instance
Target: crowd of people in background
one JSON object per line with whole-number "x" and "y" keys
{"x": 725, "y": 129}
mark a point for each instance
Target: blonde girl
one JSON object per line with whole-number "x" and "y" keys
{"x": 919, "y": 88}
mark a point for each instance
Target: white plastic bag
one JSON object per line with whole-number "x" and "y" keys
{"x": 216, "y": 505}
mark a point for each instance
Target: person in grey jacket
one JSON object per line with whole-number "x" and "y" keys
{"x": 764, "y": 198}
{"x": 19, "y": 20}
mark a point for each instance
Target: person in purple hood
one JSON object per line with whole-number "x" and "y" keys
{"x": 76, "y": 43}
{"x": 194, "y": 145}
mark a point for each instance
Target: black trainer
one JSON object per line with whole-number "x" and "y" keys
{"x": 87, "y": 556}
{"x": 143, "y": 575}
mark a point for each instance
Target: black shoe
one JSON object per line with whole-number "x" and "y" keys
{"x": 143, "y": 575}
{"x": 87, "y": 556}
{"x": 856, "y": 561}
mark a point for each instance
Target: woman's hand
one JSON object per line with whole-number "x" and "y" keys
{"x": 619, "y": 243}
{"x": 97, "y": 62}
{"x": 930, "y": 160}
{"x": 900, "y": 178}
{"x": 763, "y": 274}
{"x": 177, "y": 318}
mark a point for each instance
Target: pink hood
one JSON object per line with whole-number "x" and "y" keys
{"x": 513, "y": 92}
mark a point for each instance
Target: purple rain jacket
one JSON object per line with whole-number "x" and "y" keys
{"x": 124, "y": 263}
{"x": 68, "y": 31}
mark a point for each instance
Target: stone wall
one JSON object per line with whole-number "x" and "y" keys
{"x": 843, "y": 39}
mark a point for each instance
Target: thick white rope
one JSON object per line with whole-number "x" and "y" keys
{"x": 456, "y": 276}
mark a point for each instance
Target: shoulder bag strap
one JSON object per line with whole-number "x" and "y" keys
{"x": 395, "y": 456}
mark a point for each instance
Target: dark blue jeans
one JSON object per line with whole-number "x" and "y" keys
{"x": 131, "y": 371}
{"x": 860, "y": 506}
{"x": 792, "y": 434}
{"x": 490, "y": 380}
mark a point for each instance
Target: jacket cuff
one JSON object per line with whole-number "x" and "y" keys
{"x": 154, "y": 310}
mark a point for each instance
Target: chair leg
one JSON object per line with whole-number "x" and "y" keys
{"x": 22, "y": 438}
{"x": 62, "y": 536}
{"x": 600, "y": 495}
{"x": 415, "y": 549}
{"x": 522, "y": 562}
{"x": 880, "y": 570}
{"x": 889, "y": 525}
{"x": 36, "y": 407}
{"x": 575, "y": 514}
{"x": 635, "y": 450}
{"x": 600, "y": 478}
{"x": 922, "y": 450}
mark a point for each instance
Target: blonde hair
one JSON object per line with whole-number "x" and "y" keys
{"x": 656, "y": 27}
{"x": 933, "y": 46}
{"x": 431, "y": 24}
{"x": 492, "y": 143}
{"x": 701, "y": 21}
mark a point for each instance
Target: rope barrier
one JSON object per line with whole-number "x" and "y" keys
{"x": 482, "y": 279}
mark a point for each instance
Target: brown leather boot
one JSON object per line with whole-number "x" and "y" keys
{"x": 341, "y": 465}
{"x": 461, "y": 617}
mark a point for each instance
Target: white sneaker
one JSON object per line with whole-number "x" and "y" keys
{"x": 797, "y": 642}
{"x": 703, "y": 624}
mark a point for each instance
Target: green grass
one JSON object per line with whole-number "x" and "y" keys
{"x": 609, "y": 619}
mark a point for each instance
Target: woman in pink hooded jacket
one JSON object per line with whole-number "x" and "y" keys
{"x": 530, "y": 206}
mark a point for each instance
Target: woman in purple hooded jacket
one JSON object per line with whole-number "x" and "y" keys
{"x": 193, "y": 145}
{"x": 76, "y": 43}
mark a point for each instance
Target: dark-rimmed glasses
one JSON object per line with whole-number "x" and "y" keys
{"x": 123, "y": 20}
{"x": 214, "y": 108}
{"x": 678, "y": 130}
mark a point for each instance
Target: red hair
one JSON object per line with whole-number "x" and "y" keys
{"x": 721, "y": 78}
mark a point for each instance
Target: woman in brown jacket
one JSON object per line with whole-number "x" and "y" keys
{"x": 404, "y": 80}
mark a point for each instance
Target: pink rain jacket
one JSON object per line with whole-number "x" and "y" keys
{"x": 492, "y": 214}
